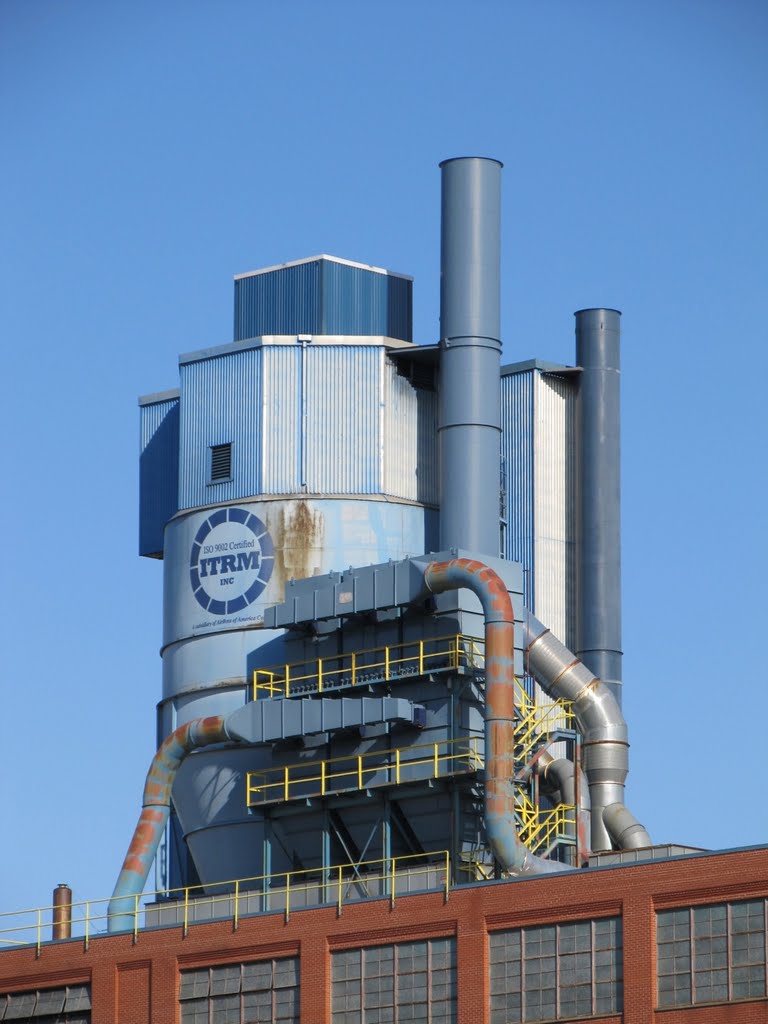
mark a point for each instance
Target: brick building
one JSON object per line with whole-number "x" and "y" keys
{"x": 679, "y": 940}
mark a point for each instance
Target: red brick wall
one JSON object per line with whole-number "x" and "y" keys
{"x": 138, "y": 983}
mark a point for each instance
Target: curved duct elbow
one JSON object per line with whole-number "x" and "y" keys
{"x": 598, "y": 715}
{"x": 156, "y": 806}
{"x": 624, "y": 828}
{"x": 499, "y": 740}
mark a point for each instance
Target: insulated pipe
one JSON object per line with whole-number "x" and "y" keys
{"x": 598, "y": 715}
{"x": 624, "y": 828}
{"x": 500, "y": 824}
{"x": 559, "y": 775}
{"x": 156, "y": 806}
{"x": 599, "y": 574}
{"x": 469, "y": 419}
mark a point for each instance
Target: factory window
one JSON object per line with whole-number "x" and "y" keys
{"x": 711, "y": 954}
{"x": 266, "y": 991}
{"x": 70, "y": 1004}
{"x": 556, "y": 972}
{"x": 411, "y": 981}
{"x": 221, "y": 462}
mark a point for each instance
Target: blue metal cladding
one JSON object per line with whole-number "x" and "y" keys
{"x": 357, "y": 301}
{"x": 158, "y": 471}
{"x": 517, "y": 440}
{"x": 283, "y": 301}
{"x": 221, "y": 402}
{"x": 342, "y": 435}
{"x": 323, "y": 296}
{"x": 282, "y": 429}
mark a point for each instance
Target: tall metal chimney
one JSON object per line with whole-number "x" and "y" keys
{"x": 469, "y": 425}
{"x": 599, "y": 575}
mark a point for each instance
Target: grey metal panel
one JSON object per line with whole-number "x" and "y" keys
{"x": 555, "y": 525}
{"x": 410, "y": 439}
{"x": 269, "y": 721}
{"x": 282, "y": 426}
{"x": 343, "y": 409}
{"x": 469, "y": 426}
{"x": 158, "y": 472}
{"x": 220, "y": 404}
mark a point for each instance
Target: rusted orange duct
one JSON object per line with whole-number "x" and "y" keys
{"x": 500, "y": 825}
{"x": 156, "y": 806}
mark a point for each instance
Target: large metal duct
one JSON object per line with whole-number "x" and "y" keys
{"x": 599, "y": 575}
{"x": 558, "y": 774}
{"x": 601, "y": 723}
{"x": 156, "y": 807}
{"x": 500, "y": 825}
{"x": 258, "y": 722}
{"x": 469, "y": 424}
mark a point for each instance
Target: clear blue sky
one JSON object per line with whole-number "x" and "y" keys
{"x": 151, "y": 150}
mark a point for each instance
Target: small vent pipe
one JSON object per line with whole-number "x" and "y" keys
{"x": 469, "y": 419}
{"x": 599, "y": 574}
{"x": 62, "y": 912}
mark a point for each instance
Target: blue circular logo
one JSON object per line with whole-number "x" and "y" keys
{"x": 231, "y": 561}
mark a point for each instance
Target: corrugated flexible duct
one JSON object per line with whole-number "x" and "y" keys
{"x": 604, "y": 731}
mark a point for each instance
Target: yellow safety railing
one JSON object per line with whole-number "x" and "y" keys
{"x": 538, "y": 828}
{"x": 538, "y": 721}
{"x": 337, "y": 885}
{"x": 364, "y": 771}
{"x": 377, "y": 664}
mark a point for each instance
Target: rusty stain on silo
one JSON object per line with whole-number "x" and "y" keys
{"x": 299, "y": 535}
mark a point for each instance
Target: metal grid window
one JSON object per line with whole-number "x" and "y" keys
{"x": 266, "y": 992}
{"x": 221, "y": 462}
{"x": 70, "y": 1004}
{"x": 410, "y": 981}
{"x": 712, "y": 954}
{"x": 556, "y": 972}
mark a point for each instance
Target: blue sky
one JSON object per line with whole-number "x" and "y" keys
{"x": 152, "y": 150}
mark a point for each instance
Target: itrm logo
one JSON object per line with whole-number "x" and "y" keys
{"x": 231, "y": 561}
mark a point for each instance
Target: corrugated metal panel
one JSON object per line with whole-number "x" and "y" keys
{"x": 281, "y": 419}
{"x": 342, "y": 388}
{"x": 323, "y": 297}
{"x": 517, "y": 440}
{"x": 410, "y": 439}
{"x": 555, "y": 508}
{"x": 357, "y": 301}
{"x": 284, "y": 301}
{"x": 158, "y": 472}
{"x": 220, "y": 404}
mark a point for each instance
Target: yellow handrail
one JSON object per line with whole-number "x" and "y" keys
{"x": 237, "y": 897}
{"x": 456, "y": 650}
{"x": 304, "y": 780}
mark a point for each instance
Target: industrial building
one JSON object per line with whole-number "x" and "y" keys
{"x": 392, "y": 756}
